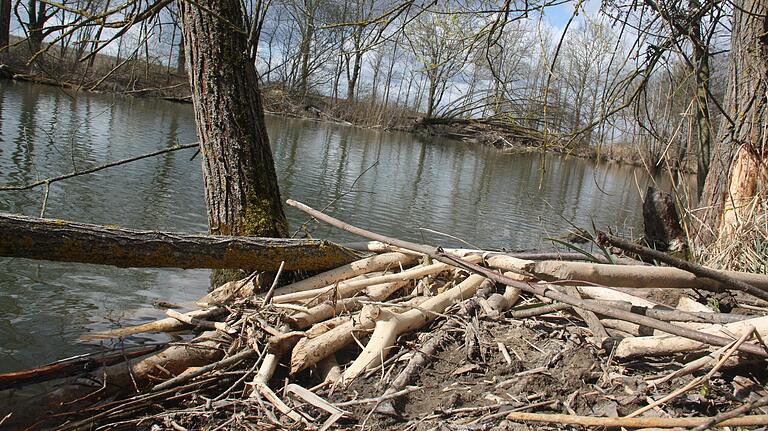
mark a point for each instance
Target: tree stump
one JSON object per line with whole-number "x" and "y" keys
{"x": 662, "y": 223}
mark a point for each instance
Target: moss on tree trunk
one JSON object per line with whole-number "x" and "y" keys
{"x": 241, "y": 191}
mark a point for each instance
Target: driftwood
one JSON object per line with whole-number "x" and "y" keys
{"x": 389, "y": 325}
{"x": 328, "y": 309}
{"x": 421, "y": 356}
{"x": 418, "y": 361}
{"x": 72, "y": 366}
{"x": 349, "y": 288}
{"x": 359, "y": 267}
{"x": 699, "y": 380}
{"x": 380, "y": 247}
{"x": 733, "y": 414}
{"x": 229, "y": 373}
{"x": 535, "y": 289}
{"x": 677, "y": 315}
{"x": 168, "y": 324}
{"x": 633, "y": 276}
{"x": 752, "y": 288}
{"x": 326, "y": 338}
{"x": 137, "y": 376}
{"x": 199, "y": 371}
{"x": 593, "y": 322}
{"x": 667, "y": 345}
{"x": 261, "y": 387}
{"x": 48, "y": 239}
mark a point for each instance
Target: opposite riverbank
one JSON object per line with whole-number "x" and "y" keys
{"x": 138, "y": 78}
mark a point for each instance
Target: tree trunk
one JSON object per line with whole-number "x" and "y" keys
{"x": 702, "y": 116}
{"x": 35, "y": 25}
{"x": 241, "y": 189}
{"x": 661, "y": 222}
{"x": 737, "y": 170}
{"x": 181, "y": 67}
{"x": 5, "y": 24}
{"x": 352, "y": 82}
{"x": 356, "y": 66}
{"x": 304, "y": 50}
{"x": 431, "y": 97}
{"x": 58, "y": 240}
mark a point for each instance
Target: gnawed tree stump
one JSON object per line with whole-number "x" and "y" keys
{"x": 662, "y": 223}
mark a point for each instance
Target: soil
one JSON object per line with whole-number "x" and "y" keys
{"x": 555, "y": 368}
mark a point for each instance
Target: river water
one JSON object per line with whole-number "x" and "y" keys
{"x": 393, "y": 183}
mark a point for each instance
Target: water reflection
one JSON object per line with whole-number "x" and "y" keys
{"x": 476, "y": 193}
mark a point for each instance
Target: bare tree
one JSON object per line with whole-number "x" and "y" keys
{"x": 5, "y": 24}
{"x": 440, "y": 44}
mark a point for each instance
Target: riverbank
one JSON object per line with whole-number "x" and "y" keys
{"x": 137, "y": 78}
{"x": 410, "y": 336}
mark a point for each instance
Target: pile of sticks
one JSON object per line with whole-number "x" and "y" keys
{"x": 289, "y": 354}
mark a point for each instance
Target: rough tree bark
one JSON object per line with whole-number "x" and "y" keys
{"x": 64, "y": 241}
{"x": 37, "y": 17}
{"x": 691, "y": 26}
{"x": 738, "y": 170}
{"x": 5, "y": 24}
{"x": 181, "y": 67}
{"x": 661, "y": 221}
{"x": 702, "y": 116}
{"x": 241, "y": 190}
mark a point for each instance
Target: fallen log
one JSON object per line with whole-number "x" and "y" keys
{"x": 751, "y": 288}
{"x": 71, "y": 366}
{"x": 127, "y": 377}
{"x": 661, "y": 345}
{"x": 66, "y": 241}
{"x": 633, "y": 276}
{"x": 7, "y": 72}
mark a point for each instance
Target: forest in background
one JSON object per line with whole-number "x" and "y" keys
{"x": 391, "y": 64}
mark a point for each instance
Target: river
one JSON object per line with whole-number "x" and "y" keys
{"x": 393, "y": 183}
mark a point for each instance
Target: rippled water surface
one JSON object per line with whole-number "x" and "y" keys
{"x": 392, "y": 183}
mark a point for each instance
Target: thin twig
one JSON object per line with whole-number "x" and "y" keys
{"x": 271, "y": 292}
{"x": 48, "y": 181}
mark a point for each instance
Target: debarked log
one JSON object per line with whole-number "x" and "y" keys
{"x": 549, "y": 292}
{"x": 66, "y": 241}
{"x": 632, "y": 276}
{"x": 662, "y": 345}
{"x": 389, "y": 325}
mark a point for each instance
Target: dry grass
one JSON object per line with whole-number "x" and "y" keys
{"x": 744, "y": 247}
